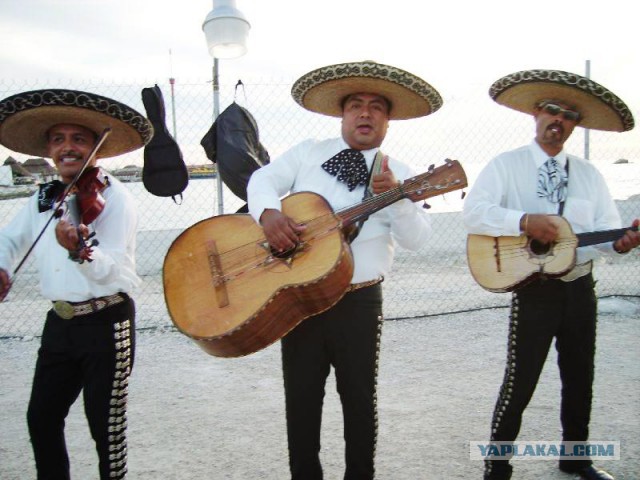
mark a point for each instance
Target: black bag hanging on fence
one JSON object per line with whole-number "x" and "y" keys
{"x": 164, "y": 173}
{"x": 233, "y": 144}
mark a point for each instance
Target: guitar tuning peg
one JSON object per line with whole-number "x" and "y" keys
{"x": 426, "y": 206}
{"x": 432, "y": 167}
{"x": 464, "y": 194}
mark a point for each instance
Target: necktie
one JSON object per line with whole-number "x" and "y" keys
{"x": 552, "y": 181}
{"x": 48, "y": 194}
{"x": 349, "y": 166}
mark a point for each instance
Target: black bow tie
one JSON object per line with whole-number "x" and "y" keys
{"x": 349, "y": 166}
{"x": 48, "y": 194}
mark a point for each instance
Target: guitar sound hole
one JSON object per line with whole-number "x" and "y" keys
{"x": 539, "y": 248}
{"x": 286, "y": 253}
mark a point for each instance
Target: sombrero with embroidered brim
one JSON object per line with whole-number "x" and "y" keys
{"x": 323, "y": 90}
{"x": 600, "y": 109}
{"x": 25, "y": 119}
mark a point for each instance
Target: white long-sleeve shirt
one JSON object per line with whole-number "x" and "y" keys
{"x": 506, "y": 189}
{"x": 113, "y": 267}
{"x": 300, "y": 169}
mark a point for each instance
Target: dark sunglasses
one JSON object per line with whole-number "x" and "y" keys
{"x": 554, "y": 110}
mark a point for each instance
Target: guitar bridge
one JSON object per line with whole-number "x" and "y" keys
{"x": 219, "y": 284}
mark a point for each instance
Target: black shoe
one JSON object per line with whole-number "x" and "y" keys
{"x": 590, "y": 473}
{"x": 499, "y": 471}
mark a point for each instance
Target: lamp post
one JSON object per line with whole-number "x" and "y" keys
{"x": 226, "y": 30}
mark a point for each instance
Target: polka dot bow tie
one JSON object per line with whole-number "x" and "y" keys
{"x": 349, "y": 166}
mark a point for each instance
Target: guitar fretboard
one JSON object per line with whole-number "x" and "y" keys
{"x": 603, "y": 236}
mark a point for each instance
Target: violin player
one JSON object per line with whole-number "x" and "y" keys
{"x": 88, "y": 338}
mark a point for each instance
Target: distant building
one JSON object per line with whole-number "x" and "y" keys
{"x": 40, "y": 169}
{"x": 6, "y": 176}
{"x": 129, "y": 173}
{"x": 21, "y": 175}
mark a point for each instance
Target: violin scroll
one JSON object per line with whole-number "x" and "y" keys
{"x": 85, "y": 248}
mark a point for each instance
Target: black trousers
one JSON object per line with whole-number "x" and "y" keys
{"x": 94, "y": 354}
{"x": 541, "y": 311}
{"x": 347, "y": 337}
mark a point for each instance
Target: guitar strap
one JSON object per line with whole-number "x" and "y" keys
{"x": 376, "y": 168}
{"x": 561, "y": 206}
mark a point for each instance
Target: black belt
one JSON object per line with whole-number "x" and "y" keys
{"x": 368, "y": 283}
{"x": 68, "y": 310}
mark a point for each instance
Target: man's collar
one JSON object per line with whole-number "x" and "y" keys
{"x": 540, "y": 156}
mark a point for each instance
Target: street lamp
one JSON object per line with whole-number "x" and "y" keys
{"x": 226, "y": 30}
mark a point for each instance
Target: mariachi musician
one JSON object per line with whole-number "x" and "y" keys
{"x": 88, "y": 337}
{"x": 365, "y": 95}
{"x": 521, "y": 193}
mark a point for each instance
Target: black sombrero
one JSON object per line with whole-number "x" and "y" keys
{"x": 25, "y": 119}
{"x": 322, "y": 90}
{"x": 600, "y": 109}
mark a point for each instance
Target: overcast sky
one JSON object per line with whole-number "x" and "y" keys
{"x": 453, "y": 44}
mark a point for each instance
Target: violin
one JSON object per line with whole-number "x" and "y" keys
{"x": 83, "y": 205}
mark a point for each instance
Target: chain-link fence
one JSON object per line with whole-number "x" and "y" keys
{"x": 435, "y": 280}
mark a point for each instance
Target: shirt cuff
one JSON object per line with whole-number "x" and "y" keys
{"x": 512, "y": 223}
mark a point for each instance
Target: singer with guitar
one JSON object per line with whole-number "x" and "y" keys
{"x": 85, "y": 255}
{"x": 541, "y": 194}
{"x": 365, "y": 95}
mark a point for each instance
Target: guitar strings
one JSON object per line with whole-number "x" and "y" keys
{"x": 515, "y": 251}
{"x": 242, "y": 259}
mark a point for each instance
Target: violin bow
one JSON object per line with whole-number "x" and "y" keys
{"x": 101, "y": 139}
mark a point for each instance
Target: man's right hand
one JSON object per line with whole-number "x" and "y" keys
{"x": 543, "y": 228}
{"x": 5, "y": 284}
{"x": 281, "y": 232}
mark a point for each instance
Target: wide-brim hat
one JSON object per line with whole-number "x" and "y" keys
{"x": 600, "y": 109}
{"x": 25, "y": 119}
{"x": 323, "y": 90}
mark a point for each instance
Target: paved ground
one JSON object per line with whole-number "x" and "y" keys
{"x": 193, "y": 416}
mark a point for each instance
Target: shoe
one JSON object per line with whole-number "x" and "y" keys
{"x": 591, "y": 473}
{"x": 499, "y": 471}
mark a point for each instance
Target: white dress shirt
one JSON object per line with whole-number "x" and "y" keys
{"x": 506, "y": 189}
{"x": 113, "y": 267}
{"x": 300, "y": 169}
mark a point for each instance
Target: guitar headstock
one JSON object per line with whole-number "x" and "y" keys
{"x": 436, "y": 181}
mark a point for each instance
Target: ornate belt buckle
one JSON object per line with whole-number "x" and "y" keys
{"x": 64, "y": 309}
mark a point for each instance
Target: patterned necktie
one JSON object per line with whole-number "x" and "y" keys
{"x": 48, "y": 194}
{"x": 349, "y": 166}
{"x": 552, "y": 181}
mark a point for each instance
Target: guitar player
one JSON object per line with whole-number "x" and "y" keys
{"x": 365, "y": 95}
{"x": 519, "y": 192}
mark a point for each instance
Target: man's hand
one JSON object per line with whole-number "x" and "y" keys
{"x": 629, "y": 241}
{"x": 543, "y": 228}
{"x": 385, "y": 180}
{"x": 5, "y": 284}
{"x": 281, "y": 231}
{"x": 69, "y": 236}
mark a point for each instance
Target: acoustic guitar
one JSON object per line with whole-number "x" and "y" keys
{"x": 503, "y": 264}
{"x": 228, "y": 291}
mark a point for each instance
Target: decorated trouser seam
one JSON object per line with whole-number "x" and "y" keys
{"x": 375, "y": 386}
{"x": 504, "y": 397}
{"x": 118, "y": 403}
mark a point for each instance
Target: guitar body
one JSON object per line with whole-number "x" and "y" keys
{"x": 503, "y": 264}
{"x": 226, "y": 290}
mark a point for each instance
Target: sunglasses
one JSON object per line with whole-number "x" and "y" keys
{"x": 554, "y": 110}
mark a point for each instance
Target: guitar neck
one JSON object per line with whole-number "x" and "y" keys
{"x": 603, "y": 236}
{"x": 436, "y": 181}
{"x": 370, "y": 205}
